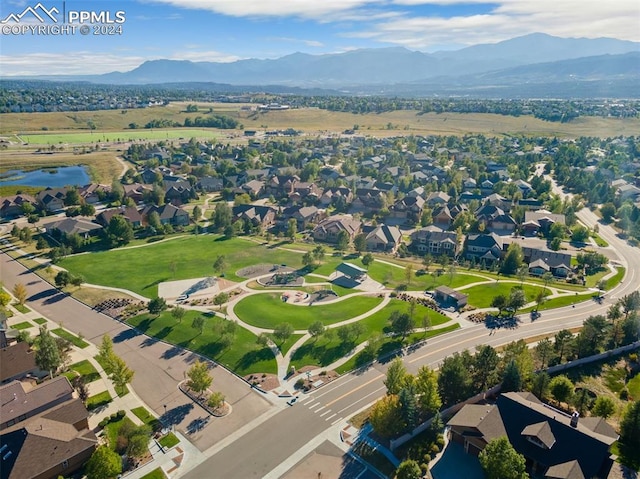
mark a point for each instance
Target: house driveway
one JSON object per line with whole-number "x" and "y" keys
{"x": 455, "y": 464}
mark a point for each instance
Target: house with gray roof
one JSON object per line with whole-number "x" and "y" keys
{"x": 434, "y": 241}
{"x": 554, "y": 444}
{"x": 384, "y": 238}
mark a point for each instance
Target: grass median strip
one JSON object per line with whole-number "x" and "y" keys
{"x": 98, "y": 400}
{"x": 72, "y": 338}
{"x": 22, "y": 325}
{"x": 86, "y": 370}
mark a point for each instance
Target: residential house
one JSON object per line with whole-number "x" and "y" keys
{"x": 486, "y": 187}
{"x": 628, "y": 192}
{"x": 131, "y": 214}
{"x": 484, "y": 247}
{"x": 281, "y": 186}
{"x": 368, "y": 200}
{"x": 468, "y": 196}
{"x": 442, "y": 217}
{"x": 253, "y": 188}
{"x": 16, "y": 361}
{"x": 469, "y": 184}
{"x": 263, "y": 216}
{"x": 336, "y": 195}
{"x": 168, "y": 214}
{"x": 94, "y": 192}
{"x": 304, "y": 216}
{"x": 541, "y": 261}
{"x": 209, "y": 184}
{"x": 530, "y": 204}
{"x": 52, "y": 199}
{"x": 11, "y": 206}
{"x": 329, "y": 229}
{"x": 178, "y": 191}
{"x": 384, "y": 238}
{"x": 540, "y": 221}
{"x": 55, "y": 443}
{"x": 524, "y": 187}
{"x": 437, "y": 198}
{"x": 70, "y": 226}
{"x": 495, "y": 219}
{"x": 434, "y": 241}
{"x": 326, "y": 174}
{"x": 408, "y": 208}
{"x": 303, "y": 190}
{"x": 18, "y": 404}
{"x": 554, "y": 444}
{"x": 137, "y": 191}
{"x": 498, "y": 201}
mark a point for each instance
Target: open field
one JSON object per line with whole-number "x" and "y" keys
{"x": 268, "y": 310}
{"x": 35, "y": 139}
{"x": 141, "y": 269}
{"x": 313, "y": 120}
{"x": 243, "y": 355}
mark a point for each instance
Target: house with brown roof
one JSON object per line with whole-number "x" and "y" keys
{"x": 263, "y": 216}
{"x": 11, "y": 206}
{"x": 131, "y": 214}
{"x": 52, "y": 199}
{"x": 137, "y": 191}
{"x": 93, "y": 192}
{"x": 168, "y": 214}
{"x": 18, "y": 404}
{"x": 554, "y": 444}
{"x": 69, "y": 226}
{"x": 408, "y": 208}
{"x": 16, "y": 361}
{"x": 384, "y": 238}
{"x": 329, "y": 229}
{"x": 56, "y": 442}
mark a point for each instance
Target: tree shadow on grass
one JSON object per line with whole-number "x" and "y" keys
{"x": 253, "y": 357}
{"x": 163, "y": 333}
{"x": 155, "y": 283}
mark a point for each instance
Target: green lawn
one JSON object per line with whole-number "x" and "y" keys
{"x": 393, "y": 344}
{"x": 155, "y": 474}
{"x": 634, "y": 387}
{"x": 86, "y": 370}
{"x": 72, "y": 338}
{"x": 40, "y": 321}
{"x": 21, "y": 308}
{"x": 559, "y": 302}
{"x": 481, "y": 296}
{"x": 141, "y": 269}
{"x": 111, "y": 430}
{"x": 268, "y": 310}
{"x": 169, "y": 440}
{"x": 128, "y": 135}
{"x": 244, "y": 355}
{"x": 98, "y": 400}
{"x": 616, "y": 278}
{"x": 22, "y": 325}
{"x": 144, "y": 415}
{"x": 327, "y": 349}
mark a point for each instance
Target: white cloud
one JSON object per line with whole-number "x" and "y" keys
{"x": 510, "y": 18}
{"x": 68, "y": 63}
{"x": 204, "y": 56}
{"x": 309, "y": 43}
{"x": 310, "y": 9}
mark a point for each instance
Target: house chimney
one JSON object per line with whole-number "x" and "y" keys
{"x": 574, "y": 419}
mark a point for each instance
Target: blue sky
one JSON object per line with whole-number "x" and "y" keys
{"x": 228, "y": 30}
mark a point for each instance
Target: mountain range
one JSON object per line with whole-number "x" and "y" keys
{"x": 528, "y": 60}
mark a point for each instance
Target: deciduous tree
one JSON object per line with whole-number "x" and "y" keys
{"x": 103, "y": 464}
{"x": 199, "y": 378}
{"x": 20, "y": 293}
{"x": 561, "y": 388}
{"x": 385, "y": 417}
{"x": 500, "y": 460}
{"x": 47, "y": 354}
{"x": 396, "y": 376}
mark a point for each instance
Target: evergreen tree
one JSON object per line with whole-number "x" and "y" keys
{"x": 511, "y": 379}
{"x": 630, "y": 436}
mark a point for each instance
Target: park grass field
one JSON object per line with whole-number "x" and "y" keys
{"x": 396, "y": 123}
{"x": 268, "y": 310}
{"x": 328, "y": 348}
{"x": 481, "y": 295}
{"x": 244, "y": 355}
{"x": 80, "y": 138}
{"x": 141, "y": 269}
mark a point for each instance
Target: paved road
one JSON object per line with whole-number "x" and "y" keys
{"x": 158, "y": 367}
{"x": 274, "y": 441}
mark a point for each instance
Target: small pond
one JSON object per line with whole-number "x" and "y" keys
{"x": 48, "y": 177}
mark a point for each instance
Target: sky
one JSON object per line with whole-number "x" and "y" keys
{"x": 230, "y": 30}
